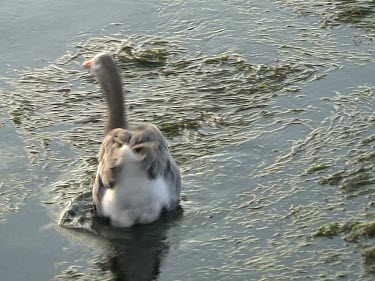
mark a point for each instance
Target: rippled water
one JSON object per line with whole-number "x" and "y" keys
{"x": 269, "y": 110}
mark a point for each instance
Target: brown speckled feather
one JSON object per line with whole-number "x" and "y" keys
{"x": 148, "y": 142}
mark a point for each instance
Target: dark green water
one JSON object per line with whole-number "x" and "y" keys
{"x": 269, "y": 110}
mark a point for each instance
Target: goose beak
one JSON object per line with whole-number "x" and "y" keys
{"x": 88, "y": 64}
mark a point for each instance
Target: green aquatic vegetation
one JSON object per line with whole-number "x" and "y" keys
{"x": 353, "y": 179}
{"x": 367, "y": 141}
{"x": 188, "y": 98}
{"x": 353, "y": 13}
{"x": 357, "y": 13}
{"x": 46, "y": 142}
{"x": 368, "y": 255}
{"x": 222, "y": 58}
{"x": 174, "y": 129}
{"x": 344, "y": 140}
{"x": 333, "y": 179}
{"x": 353, "y": 231}
{"x": 317, "y": 167}
{"x": 361, "y": 230}
{"x": 355, "y": 165}
{"x": 17, "y": 115}
{"x": 325, "y": 24}
{"x": 328, "y": 230}
{"x": 151, "y": 57}
{"x": 240, "y": 105}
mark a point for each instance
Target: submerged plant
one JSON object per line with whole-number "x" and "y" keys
{"x": 368, "y": 255}
{"x": 328, "y": 230}
{"x": 317, "y": 167}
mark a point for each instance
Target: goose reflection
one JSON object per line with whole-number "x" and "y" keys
{"x": 131, "y": 254}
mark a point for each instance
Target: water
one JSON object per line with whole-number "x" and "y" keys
{"x": 251, "y": 95}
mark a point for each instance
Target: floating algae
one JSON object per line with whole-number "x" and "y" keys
{"x": 198, "y": 106}
{"x": 343, "y": 142}
{"x": 364, "y": 230}
{"x": 15, "y": 186}
{"x": 368, "y": 255}
{"x": 357, "y": 176}
{"x": 362, "y": 233}
{"x": 355, "y": 12}
{"x": 148, "y": 57}
{"x": 354, "y": 231}
{"x": 176, "y": 128}
{"x": 345, "y": 139}
{"x": 317, "y": 167}
{"x": 328, "y": 230}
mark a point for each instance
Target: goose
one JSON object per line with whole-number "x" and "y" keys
{"x": 137, "y": 177}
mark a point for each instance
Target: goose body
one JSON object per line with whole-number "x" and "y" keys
{"x": 137, "y": 177}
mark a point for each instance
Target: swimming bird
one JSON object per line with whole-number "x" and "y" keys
{"x": 137, "y": 177}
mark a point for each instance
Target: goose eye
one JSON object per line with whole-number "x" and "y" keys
{"x": 138, "y": 149}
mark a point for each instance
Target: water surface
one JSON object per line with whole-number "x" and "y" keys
{"x": 263, "y": 102}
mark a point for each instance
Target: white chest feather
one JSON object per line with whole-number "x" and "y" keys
{"x": 135, "y": 198}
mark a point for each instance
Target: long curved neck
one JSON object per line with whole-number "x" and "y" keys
{"x": 112, "y": 87}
